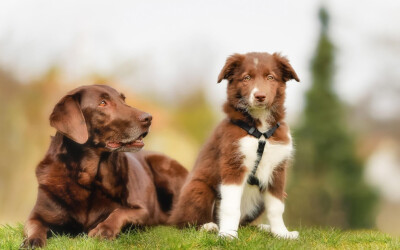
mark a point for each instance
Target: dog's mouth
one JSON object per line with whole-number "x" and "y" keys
{"x": 260, "y": 105}
{"x": 136, "y": 143}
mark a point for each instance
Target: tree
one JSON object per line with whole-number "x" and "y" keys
{"x": 327, "y": 185}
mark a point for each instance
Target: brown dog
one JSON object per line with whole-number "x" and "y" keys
{"x": 239, "y": 176}
{"x": 87, "y": 182}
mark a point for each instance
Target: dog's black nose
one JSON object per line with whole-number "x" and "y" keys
{"x": 145, "y": 119}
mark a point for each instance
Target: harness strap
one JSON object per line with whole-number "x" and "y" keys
{"x": 249, "y": 129}
{"x": 252, "y": 179}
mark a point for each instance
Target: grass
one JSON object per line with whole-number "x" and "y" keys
{"x": 162, "y": 237}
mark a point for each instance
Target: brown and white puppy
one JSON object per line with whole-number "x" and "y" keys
{"x": 216, "y": 190}
{"x": 93, "y": 179}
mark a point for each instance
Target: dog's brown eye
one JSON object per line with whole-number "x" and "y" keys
{"x": 246, "y": 78}
{"x": 270, "y": 77}
{"x": 102, "y": 103}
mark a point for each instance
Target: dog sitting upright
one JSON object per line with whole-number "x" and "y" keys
{"x": 239, "y": 176}
{"x": 93, "y": 179}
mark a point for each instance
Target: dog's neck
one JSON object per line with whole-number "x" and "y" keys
{"x": 93, "y": 166}
{"x": 81, "y": 159}
{"x": 263, "y": 119}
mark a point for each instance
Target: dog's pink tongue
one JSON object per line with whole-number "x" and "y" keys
{"x": 114, "y": 144}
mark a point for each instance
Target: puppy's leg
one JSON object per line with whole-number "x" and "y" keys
{"x": 194, "y": 206}
{"x": 275, "y": 207}
{"x": 120, "y": 217}
{"x": 262, "y": 222}
{"x": 36, "y": 234}
{"x": 229, "y": 213}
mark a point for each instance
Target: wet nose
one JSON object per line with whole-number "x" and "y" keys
{"x": 145, "y": 119}
{"x": 260, "y": 96}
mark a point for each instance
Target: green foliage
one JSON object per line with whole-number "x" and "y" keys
{"x": 249, "y": 238}
{"x": 328, "y": 187}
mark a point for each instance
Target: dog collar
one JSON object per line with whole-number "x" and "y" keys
{"x": 253, "y": 131}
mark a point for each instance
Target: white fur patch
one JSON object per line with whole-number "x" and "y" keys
{"x": 251, "y": 198}
{"x": 274, "y": 153}
{"x": 264, "y": 115}
{"x": 275, "y": 209}
{"x": 251, "y": 96}
{"x": 229, "y": 211}
{"x": 255, "y": 60}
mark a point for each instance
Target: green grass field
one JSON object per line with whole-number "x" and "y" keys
{"x": 249, "y": 238}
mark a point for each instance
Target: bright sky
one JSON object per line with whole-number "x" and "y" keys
{"x": 173, "y": 46}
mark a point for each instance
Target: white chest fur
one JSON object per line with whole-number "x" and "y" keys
{"x": 274, "y": 154}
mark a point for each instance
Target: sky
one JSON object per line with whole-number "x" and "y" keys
{"x": 169, "y": 48}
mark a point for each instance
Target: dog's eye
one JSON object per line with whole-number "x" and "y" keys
{"x": 246, "y": 78}
{"x": 103, "y": 103}
{"x": 270, "y": 77}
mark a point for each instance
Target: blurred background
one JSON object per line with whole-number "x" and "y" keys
{"x": 166, "y": 55}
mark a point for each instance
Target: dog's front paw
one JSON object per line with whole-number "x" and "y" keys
{"x": 209, "y": 227}
{"x": 229, "y": 235}
{"x": 285, "y": 234}
{"x": 31, "y": 243}
{"x": 104, "y": 231}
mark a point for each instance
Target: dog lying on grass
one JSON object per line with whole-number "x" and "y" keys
{"x": 92, "y": 178}
{"x": 239, "y": 176}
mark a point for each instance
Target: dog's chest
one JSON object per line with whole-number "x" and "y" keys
{"x": 273, "y": 155}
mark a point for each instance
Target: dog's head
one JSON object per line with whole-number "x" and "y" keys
{"x": 98, "y": 115}
{"x": 257, "y": 81}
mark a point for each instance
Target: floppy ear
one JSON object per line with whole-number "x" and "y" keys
{"x": 288, "y": 72}
{"x": 231, "y": 64}
{"x": 68, "y": 119}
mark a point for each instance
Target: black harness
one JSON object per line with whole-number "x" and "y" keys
{"x": 253, "y": 180}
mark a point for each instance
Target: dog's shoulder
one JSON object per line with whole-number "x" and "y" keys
{"x": 228, "y": 132}
{"x": 282, "y": 134}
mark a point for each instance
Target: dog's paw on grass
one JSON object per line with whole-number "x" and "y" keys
{"x": 163, "y": 237}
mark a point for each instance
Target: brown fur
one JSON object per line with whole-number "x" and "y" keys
{"x": 277, "y": 187}
{"x": 88, "y": 185}
{"x": 220, "y": 161}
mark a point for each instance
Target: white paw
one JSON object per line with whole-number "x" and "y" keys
{"x": 229, "y": 235}
{"x": 264, "y": 227}
{"x": 285, "y": 234}
{"x": 209, "y": 227}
